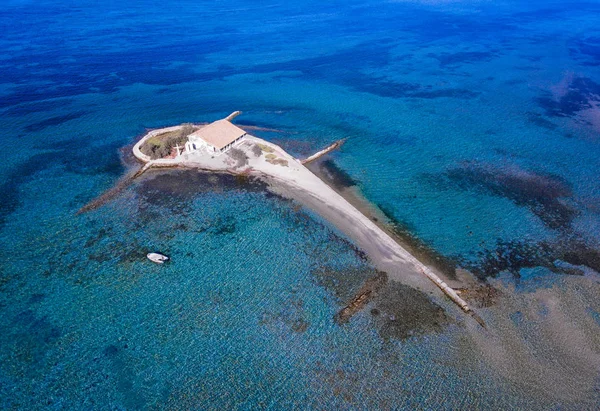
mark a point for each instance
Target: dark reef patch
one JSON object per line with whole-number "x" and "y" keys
{"x": 514, "y": 82}
{"x": 111, "y": 350}
{"x": 393, "y": 139}
{"x": 175, "y": 189}
{"x": 580, "y": 94}
{"x": 397, "y": 310}
{"x": 344, "y": 68}
{"x": 533, "y": 59}
{"x": 133, "y": 252}
{"x": 31, "y": 337}
{"x": 292, "y": 314}
{"x": 76, "y": 156}
{"x": 367, "y": 292}
{"x": 93, "y": 159}
{"x": 538, "y": 120}
{"x": 96, "y": 72}
{"x": 36, "y": 298}
{"x": 447, "y": 93}
{"x": 82, "y": 155}
{"x": 9, "y": 200}
{"x": 587, "y": 50}
{"x": 512, "y": 256}
{"x": 38, "y": 107}
{"x": 300, "y": 325}
{"x": 223, "y": 226}
{"x": 456, "y": 59}
{"x": 482, "y": 295}
{"x": 54, "y": 121}
{"x": 343, "y": 284}
{"x": 404, "y": 312}
{"x": 577, "y": 252}
{"x": 543, "y": 194}
{"x": 339, "y": 66}
{"x": 387, "y": 88}
{"x": 124, "y": 251}
{"x": 167, "y": 187}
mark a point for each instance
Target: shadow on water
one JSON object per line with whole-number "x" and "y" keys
{"x": 333, "y": 174}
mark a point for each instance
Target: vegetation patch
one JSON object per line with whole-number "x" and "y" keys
{"x": 239, "y": 156}
{"x": 256, "y": 150}
{"x": 162, "y": 145}
{"x": 278, "y": 161}
{"x": 265, "y": 148}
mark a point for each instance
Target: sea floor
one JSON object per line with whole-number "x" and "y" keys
{"x": 472, "y": 125}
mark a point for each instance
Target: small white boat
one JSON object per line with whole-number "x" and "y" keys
{"x": 157, "y": 258}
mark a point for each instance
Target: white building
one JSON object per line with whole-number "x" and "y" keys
{"x": 216, "y": 138}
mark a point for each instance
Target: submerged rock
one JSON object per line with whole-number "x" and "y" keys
{"x": 367, "y": 292}
{"x": 482, "y": 296}
{"x": 512, "y": 256}
{"x": 406, "y": 312}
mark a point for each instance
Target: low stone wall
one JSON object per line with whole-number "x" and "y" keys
{"x": 136, "y": 148}
{"x": 326, "y": 150}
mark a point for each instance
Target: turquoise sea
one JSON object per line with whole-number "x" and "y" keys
{"x": 474, "y": 125}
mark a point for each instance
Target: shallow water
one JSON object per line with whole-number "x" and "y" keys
{"x": 474, "y": 125}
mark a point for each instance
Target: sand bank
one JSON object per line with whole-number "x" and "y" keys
{"x": 287, "y": 176}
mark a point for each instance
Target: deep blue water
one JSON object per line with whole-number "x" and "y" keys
{"x": 475, "y": 125}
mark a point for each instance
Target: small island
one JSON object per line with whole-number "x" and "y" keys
{"x": 224, "y": 147}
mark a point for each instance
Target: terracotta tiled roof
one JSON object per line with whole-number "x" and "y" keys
{"x": 218, "y": 134}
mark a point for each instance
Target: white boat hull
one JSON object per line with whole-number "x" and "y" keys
{"x": 157, "y": 258}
